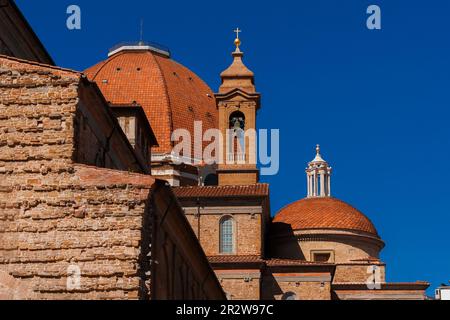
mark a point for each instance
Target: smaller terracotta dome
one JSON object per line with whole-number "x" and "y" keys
{"x": 325, "y": 213}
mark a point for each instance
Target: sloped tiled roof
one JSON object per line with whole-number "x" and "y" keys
{"x": 235, "y": 259}
{"x": 324, "y": 213}
{"x": 255, "y": 190}
{"x": 418, "y": 285}
{"x": 289, "y": 262}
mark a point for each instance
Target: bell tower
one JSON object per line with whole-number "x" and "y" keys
{"x": 238, "y": 103}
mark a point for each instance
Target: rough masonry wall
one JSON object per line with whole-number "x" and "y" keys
{"x": 241, "y": 289}
{"x": 53, "y": 217}
{"x": 273, "y": 288}
{"x": 95, "y": 228}
{"x": 359, "y": 273}
{"x": 73, "y": 231}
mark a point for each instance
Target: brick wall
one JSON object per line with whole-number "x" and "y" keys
{"x": 275, "y": 286}
{"x": 63, "y": 220}
{"x": 240, "y": 284}
{"x": 247, "y": 232}
{"x": 235, "y": 179}
{"x": 358, "y": 273}
{"x": 343, "y": 248}
{"x": 241, "y": 289}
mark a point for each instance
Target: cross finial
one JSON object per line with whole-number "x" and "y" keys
{"x": 237, "y": 42}
{"x": 141, "y": 39}
{"x": 237, "y": 31}
{"x": 318, "y": 149}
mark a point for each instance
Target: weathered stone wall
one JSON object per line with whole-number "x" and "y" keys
{"x": 233, "y": 179}
{"x": 359, "y": 273}
{"x": 65, "y": 221}
{"x": 240, "y": 284}
{"x": 72, "y": 231}
{"x": 275, "y": 286}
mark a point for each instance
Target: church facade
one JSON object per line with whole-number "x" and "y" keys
{"x": 96, "y": 205}
{"x": 317, "y": 248}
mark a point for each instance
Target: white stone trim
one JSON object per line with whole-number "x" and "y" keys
{"x": 173, "y": 172}
{"x": 169, "y": 157}
{"x": 140, "y": 48}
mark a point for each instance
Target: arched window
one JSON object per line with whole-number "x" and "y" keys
{"x": 227, "y": 235}
{"x": 236, "y": 144}
{"x": 289, "y": 296}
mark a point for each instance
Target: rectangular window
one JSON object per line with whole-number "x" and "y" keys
{"x": 322, "y": 256}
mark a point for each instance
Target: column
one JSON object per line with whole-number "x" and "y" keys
{"x": 316, "y": 187}
{"x": 322, "y": 184}
{"x": 311, "y": 185}
{"x": 329, "y": 185}
{"x": 308, "y": 186}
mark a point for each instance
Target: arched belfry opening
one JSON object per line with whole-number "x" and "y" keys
{"x": 236, "y": 144}
{"x": 237, "y": 121}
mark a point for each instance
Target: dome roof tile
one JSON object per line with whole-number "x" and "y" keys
{"x": 172, "y": 96}
{"x": 324, "y": 213}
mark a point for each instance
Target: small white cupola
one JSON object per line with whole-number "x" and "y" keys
{"x": 318, "y": 176}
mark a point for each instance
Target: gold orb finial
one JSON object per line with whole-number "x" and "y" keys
{"x": 237, "y": 42}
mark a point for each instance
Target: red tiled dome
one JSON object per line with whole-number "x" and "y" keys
{"x": 172, "y": 96}
{"x": 324, "y": 213}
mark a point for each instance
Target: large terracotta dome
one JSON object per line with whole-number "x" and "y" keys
{"x": 172, "y": 96}
{"x": 325, "y": 213}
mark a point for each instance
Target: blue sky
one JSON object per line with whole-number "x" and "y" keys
{"x": 377, "y": 101}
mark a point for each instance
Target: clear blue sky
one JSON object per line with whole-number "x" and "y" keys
{"x": 377, "y": 101}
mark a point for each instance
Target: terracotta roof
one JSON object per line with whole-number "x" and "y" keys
{"x": 419, "y": 285}
{"x": 94, "y": 176}
{"x": 324, "y": 213}
{"x": 368, "y": 259}
{"x": 255, "y": 190}
{"x": 172, "y": 96}
{"x": 289, "y": 262}
{"x": 15, "y": 62}
{"x": 235, "y": 259}
{"x": 237, "y": 76}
